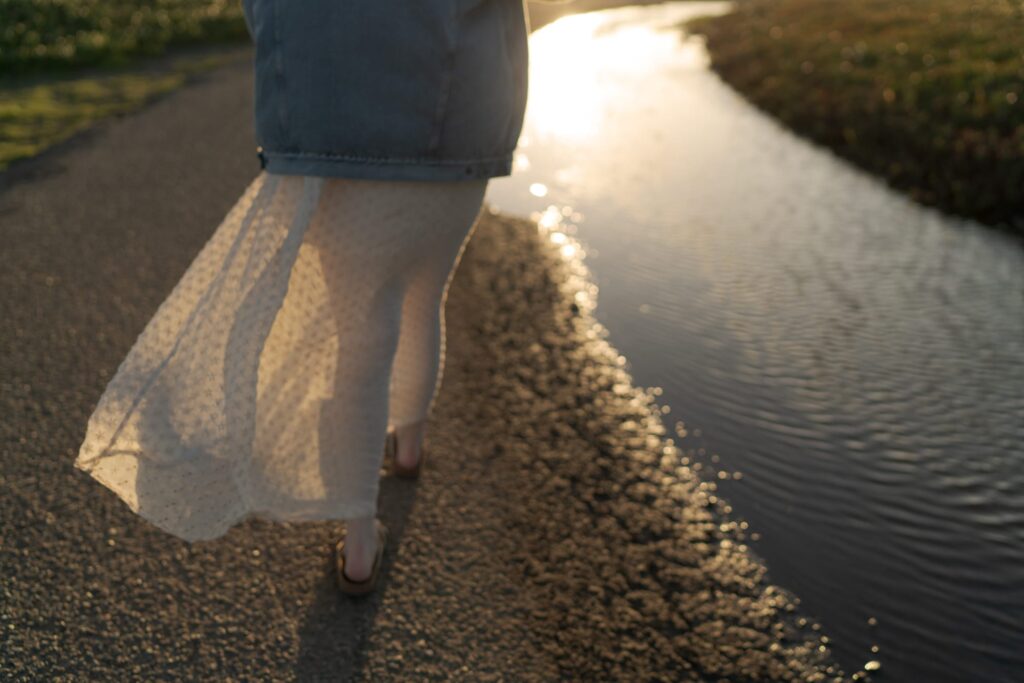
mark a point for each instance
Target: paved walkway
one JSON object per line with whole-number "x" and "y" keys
{"x": 551, "y": 538}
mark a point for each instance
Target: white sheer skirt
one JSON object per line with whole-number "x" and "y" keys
{"x": 265, "y": 383}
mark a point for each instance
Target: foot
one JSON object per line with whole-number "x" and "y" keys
{"x": 409, "y": 442}
{"x": 360, "y": 548}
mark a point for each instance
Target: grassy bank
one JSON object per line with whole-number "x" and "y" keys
{"x": 59, "y": 35}
{"x": 64, "y": 64}
{"x": 39, "y": 114}
{"x": 928, "y": 94}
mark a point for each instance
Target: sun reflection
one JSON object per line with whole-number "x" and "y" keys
{"x": 549, "y": 218}
{"x": 581, "y": 64}
{"x": 583, "y": 73}
{"x": 551, "y": 224}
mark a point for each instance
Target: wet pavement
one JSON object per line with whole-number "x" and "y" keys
{"x": 557, "y": 532}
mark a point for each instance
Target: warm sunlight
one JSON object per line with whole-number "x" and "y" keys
{"x": 581, "y": 64}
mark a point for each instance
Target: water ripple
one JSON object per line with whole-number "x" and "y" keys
{"x": 858, "y": 358}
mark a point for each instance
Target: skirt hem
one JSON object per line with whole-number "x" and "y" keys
{"x": 384, "y": 168}
{"x": 309, "y": 511}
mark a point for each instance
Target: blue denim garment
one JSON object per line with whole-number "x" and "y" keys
{"x": 389, "y": 89}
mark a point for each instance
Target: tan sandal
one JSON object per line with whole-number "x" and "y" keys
{"x": 349, "y": 586}
{"x": 392, "y": 454}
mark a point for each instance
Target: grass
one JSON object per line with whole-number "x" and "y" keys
{"x": 50, "y": 35}
{"x": 36, "y": 116}
{"x": 65, "y": 64}
{"x": 928, "y": 94}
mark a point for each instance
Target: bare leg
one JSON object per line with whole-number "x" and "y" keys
{"x": 418, "y": 367}
{"x": 410, "y": 442}
{"x": 387, "y": 252}
{"x": 419, "y": 360}
{"x": 360, "y": 547}
{"x": 358, "y": 237}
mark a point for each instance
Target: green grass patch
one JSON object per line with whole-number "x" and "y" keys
{"x": 46, "y": 35}
{"x": 34, "y": 117}
{"x": 928, "y": 94}
{"x": 64, "y": 64}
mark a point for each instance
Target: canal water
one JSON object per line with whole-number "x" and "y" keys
{"x": 847, "y": 366}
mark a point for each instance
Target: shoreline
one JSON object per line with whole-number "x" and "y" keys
{"x": 881, "y": 87}
{"x": 605, "y": 488}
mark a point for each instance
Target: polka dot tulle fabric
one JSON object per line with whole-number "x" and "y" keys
{"x": 264, "y": 384}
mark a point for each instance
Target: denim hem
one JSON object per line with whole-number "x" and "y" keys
{"x": 284, "y": 163}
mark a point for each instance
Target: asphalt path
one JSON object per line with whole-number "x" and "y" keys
{"x": 555, "y": 535}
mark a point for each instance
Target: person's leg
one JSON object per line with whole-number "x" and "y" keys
{"x": 375, "y": 238}
{"x": 366, "y": 348}
{"x": 418, "y": 366}
{"x": 419, "y": 361}
{"x": 357, "y": 235}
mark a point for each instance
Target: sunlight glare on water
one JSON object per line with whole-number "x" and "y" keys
{"x": 848, "y": 364}
{"x": 582, "y": 78}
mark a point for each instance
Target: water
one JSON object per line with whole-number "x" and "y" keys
{"x": 852, "y": 362}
